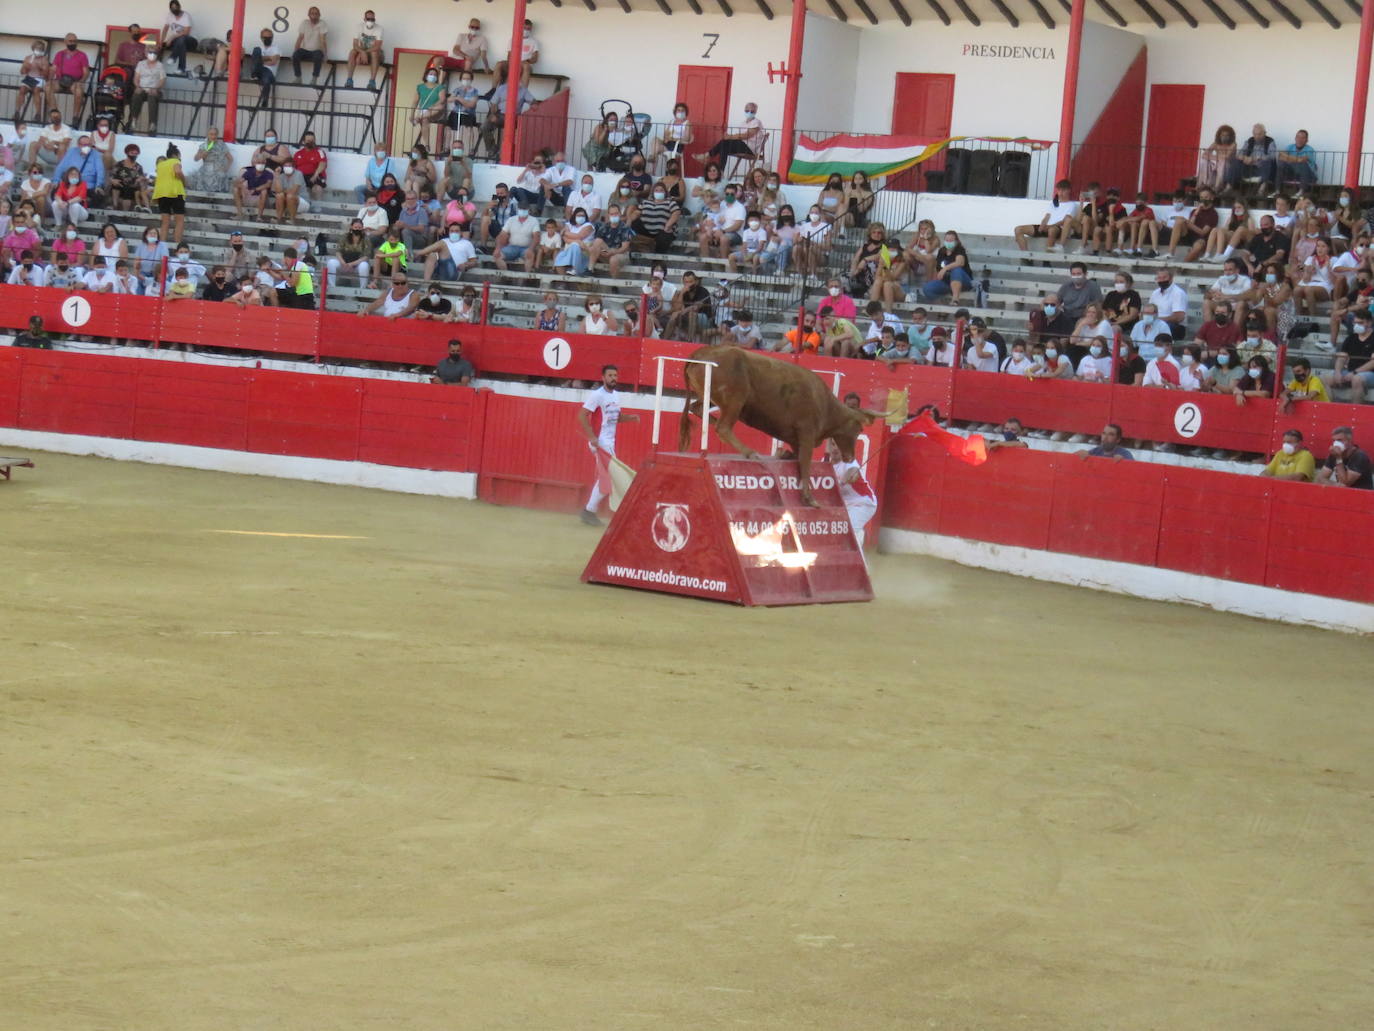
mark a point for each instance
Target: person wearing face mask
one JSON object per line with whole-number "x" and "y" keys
{"x": 71, "y": 202}
{"x": 558, "y": 180}
{"x": 462, "y": 117}
{"x": 27, "y": 270}
{"x": 34, "y": 73}
{"x": 1259, "y": 381}
{"x": 457, "y": 171}
{"x": 429, "y": 105}
{"x": 1266, "y": 245}
{"x": 62, "y": 274}
{"x": 1048, "y": 319}
{"x": 70, "y": 66}
{"x": 289, "y": 191}
{"x": 813, "y": 242}
{"x": 176, "y": 37}
{"x": 611, "y": 242}
{"x": 1292, "y": 461}
{"x": 1163, "y": 371}
{"x": 1061, "y": 215}
{"x": 1232, "y": 286}
{"x": 313, "y": 163}
{"x": 1078, "y": 291}
{"x": 312, "y": 42}
{"x": 377, "y": 169}
{"x": 266, "y": 57}
{"x": 1218, "y": 167}
{"x": 747, "y": 141}
{"x": 254, "y": 184}
{"x": 656, "y": 221}
{"x": 1354, "y": 363}
{"x": 1221, "y": 329}
{"x": 722, "y": 233}
{"x": 420, "y": 172}
{"x": 951, "y": 270}
{"x": 1304, "y": 386}
{"x": 149, "y": 80}
{"x": 1359, "y": 296}
{"x": 273, "y": 152}
{"x": 676, "y": 135}
{"x": 1299, "y": 161}
{"x": 454, "y": 370}
{"x": 215, "y": 172}
{"x": 1122, "y": 303}
{"x": 470, "y": 51}
{"x": 219, "y": 285}
{"x": 149, "y": 254}
{"x": 103, "y": 279}
{"x": 366, "y": 49}
{"x": 529, "y": 56}
{"x": 1194, "y": 230}
{"x": 1171, "y": 302}
{"x": 1055, "y": 363}
{"x": 434, "y": 306}
{"x": 236, "y": 258}
{"x": 1227, "y": 372}
{"x": 753, "y": 241}
{"x": 1346, "y": 266}
{"x": 1230, "y": 235}
{"x": 1018, "y": 361}
{"x": 70, "y": 245}
{"x": 352, "y": 255}
{"x": 1346, "y": 464}
{"x": 516, "y": 240}
{"x": 597, "y": 322}
{"x": 86, "y": 163}
{"x": 494, "y": 127}
{"x": 450, "y": 257}
{"x": 637, "y": 180}
{"x": 837, "y": 301}
{"x": 577, "y": 239}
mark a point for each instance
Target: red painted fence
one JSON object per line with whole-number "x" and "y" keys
{"x": 1214, "y": 421}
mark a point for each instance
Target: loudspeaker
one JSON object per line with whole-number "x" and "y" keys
{"x": 1015, "y": 178}
{"x": 982, "y": 172}
{"x": 935, "y": 181}
{"x": 956, "y": 169}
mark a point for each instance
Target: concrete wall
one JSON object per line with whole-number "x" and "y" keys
{"x": 826, "y": 101}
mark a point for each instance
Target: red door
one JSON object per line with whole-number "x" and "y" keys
{"x": 922, "y": 105}
{"x": 705, "y": 89}
{"x": 1172, "y": 137}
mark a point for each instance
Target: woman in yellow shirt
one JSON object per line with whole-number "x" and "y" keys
{"x": 169, "y": 191}
{"x": 1292, "y": 461}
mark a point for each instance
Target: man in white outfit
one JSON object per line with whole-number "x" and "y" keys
{"x": 858, "y": 497}
{"x": 603, "y": 399}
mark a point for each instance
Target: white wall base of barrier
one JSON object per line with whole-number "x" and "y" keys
{"x": 1146, "y": 582}
{"x": 287, "y": 467}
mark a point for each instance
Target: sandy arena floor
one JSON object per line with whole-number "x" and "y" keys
{"x": 428, "y": 780}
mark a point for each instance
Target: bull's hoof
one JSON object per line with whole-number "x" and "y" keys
{"x": 751, "y": 455}
{"x": 810, "y": 502}
{"x": 787, "y": 455}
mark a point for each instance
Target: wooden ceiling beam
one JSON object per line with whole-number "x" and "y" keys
{"x": 837, "y": 11}
{"x": 1326, "y": 15}
{"x": 1039, "y": 9}
{"x": 1151, "y": 13}
{"x": 1287, "y": 15}
{"x": 867, "y": 11}
{"x": 1006, "y": 13}
{"x": 1249, "y": 8}
{"x": 940, "y": 12}
{"x": 1183, "y": 13}
{"x": 967, "y": 12}
{"x": 764, "y": 9}
{"x": 1112, "y": 13}
{"x": 1221, "y": 15}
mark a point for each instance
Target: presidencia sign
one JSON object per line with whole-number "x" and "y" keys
{"x": 1008, "y": 52}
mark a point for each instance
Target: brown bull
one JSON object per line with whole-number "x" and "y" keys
{"x": 779, "y": 398}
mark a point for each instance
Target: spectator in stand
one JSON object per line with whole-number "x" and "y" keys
{"x": 37, "y": 189}
{"x": 1304, "y": 386}
{"x": 110, "y": 247}
{"x": 67, "y": 242}
{"x": 434, "y": 307}
{"x": 1193, "y": 371}
{"x": 1275, "y": 297}
{"x": 131, "y": 51}
{"x": 559, "y": 179}
{"x": 529, "y": 56}
{"x": 1171, "y": 302}
{"x": 413, "y": 221}
{"x": 290, "y": 191}
{"x": 176, "y": 36}
{"x": 922, "y": 251}
{"x": 1259, "y": 380}
{"x": 254, "y": 184}
{"x": 1258, "y": 158}
{"x": 1078, "y": 292}
{"x": 546, "y": 245}
{"x": 399, "y": 302}
{"x": 169, "y": 192}
{"x": 266, "y": 58}
{"x": 596, "y": 321}
{"x": 1354, "y": 363}
{"x": 674, "y": 185}
{"x": 72, "y": 201}
{"x": 577, "y": 241}
{"x": 1221, "y": 330}
{"x": 1347, "y": 464}
{"x": 366, "y": 49}
{"x": 455, "y": 370}
{"x": 378, "y": 168}
{"x": 460, "y": 210}
{"x": 53, "y": 142}
{"x": 218, "y": 287}
{"x": 832, "y": 200}
{"x": 501, "y": 207}
{"x": 352, "y": 254}
{"x": 1227, "y": 238}
{"x": 27, "y": 270}
{"x": 392, "y": 256}
{"x": 891, "y": 274}
{"x": 920, "y": 330}
{"x": 469, "y": 308}
{"x": 1232, "y": 286}
{"x": 1164, "y": 370}
{"x": 863, "y": 268}
{"x": 1347, "y": 221}
{"x": 942, "y": 349}
{"x": 516, "y": 239}
{"x": 528, "y": 190}
{"x": 895, "y": 349}
{"x": 1109, "y": 446}
{"x": 458, "y": 255}
{"x": 1113, "y": 231}
{"x": 390, "y": 197}
{"x": 180, "y": 287}
{"x": 1266, "y": 245}
{"x": 1299, "y": 161}
{"x": 1122, "y": 303}
{"x": 70, "y": 66}
{"x": 128, "y": 185}
{"x": 1130, "y": 366}
{"x": 611, "y": 243}
{"x": 586, "y": 198}
{"x": 105, "y": 280}
{"x": 676, "y": 135}
{"x": 1257, "y": 339}
{"x": 495, "y": 124}
{"x": 214, "y": 174}
{"x": 1292, "y": 461}
{"x": 1092, "y": 326}
{"x": 879, "y": 319}
{"x": 313, "y": 163}
{"x": 951, "y": 270}
{"x": 1227, "y": 372}
{"x": 723, "y": 233}
{"x": 1346, "y": 266}
{"x": 470, "y": 51}
{"x": 747, "y": 142}
{"x": 840, "y": 338}
{"x": 1142, "y": 222}
{"x": 150, "y": 254}
{"x": 981, "y": 354}
{"x": 237, "y": 258}
{"x": 63, "y": 275}
{"x": 1054, "y": 364}
{"x": 1091, "y": 216}
{"x": 1018, "y": 362}
{"x": 838, "y": 301}
{"x": 753, "y": 243}
{"x": 247, "y": 295}
{"x": 813, "y": 241}
{"x": 551, "y": 318}
{"x": 810, "y": 340}
{"x": 87, "y": 164}
{"x": 1049, "y": 320}
{"x": 312, "y": 42}
{"x": 1096, "y": 365}
{"x": 421, "y": 172}
{"x": 1360, "y": 297}
{"x": 375, "y": 221}
{"x": 35, "y": 70}
{"x": 1316, "y": 284}
{"x": 639, "y": 182}
{"x": 1059, "y": 220}
{"x": 1218, "y": 167}
{"x": 1193, "y": 231}
{"x": 744, "y": 333}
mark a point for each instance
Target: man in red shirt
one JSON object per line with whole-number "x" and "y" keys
{"x": 69, "y": 69}
{"x": 1220, "y": 331}
{"x": 131, "y": 51}
{"x": 312, "y": 163}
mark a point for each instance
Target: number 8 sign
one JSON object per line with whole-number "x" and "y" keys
{"x": 76, "y": 311}
{"x": 1188, "y": 419}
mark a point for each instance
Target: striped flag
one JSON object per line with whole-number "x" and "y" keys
{"x": 817, "y": 160}
{"x": 613, "y": 477}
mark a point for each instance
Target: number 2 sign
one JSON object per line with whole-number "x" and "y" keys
{"x": 1188, "y": 419}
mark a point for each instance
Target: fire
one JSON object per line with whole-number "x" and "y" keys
{"x": 767, "y": 545}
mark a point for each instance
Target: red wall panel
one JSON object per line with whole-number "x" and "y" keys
{"x": 74, "y": 393}
{"x": 1039, "y": 403}
{"x": 294, "y": 414}
{"x": 1012, "y": 507}
{"x": 1149, "y": 413}
{"x": 428, "y": 427}
{"x": 1102, "y": 509}
{"x": 1215, "y": 524}
{"x": 1319, "y": 541}
{"x": 919, "y": 468}
{"x": 10, "y": 365}
{"x": 202, "y": 405}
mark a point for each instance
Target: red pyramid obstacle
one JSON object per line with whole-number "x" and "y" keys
{"x": 732, "y": 529}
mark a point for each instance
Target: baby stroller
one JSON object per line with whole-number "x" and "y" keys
{"x": 111, "y": 94}
{"x": 627, "y": 142}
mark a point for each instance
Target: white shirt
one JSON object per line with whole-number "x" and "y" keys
{"x": 856, "y": 494}
{"x": 608, "y": 404}
{"x": 754, "y": 240}
{"x": 558, "y": 178}
{"x": 375, "y": 220}
{"x": 1233, "y": 286}
{"x": 461, "y": 251}
{"x": 1095, "y": 369}
{"x": 98, "y": 279}
{"x": 982, "y": 363}
{"x": 1190, "y": 377}
{"x": 875, "y": 328}
{"x": 394, "y": 306}
{"x": 367, "y": 36}
{"x": 1152, "y": 376}
{"x": 529, "y": 180}
{"x": 1169, "y": 300}
{"x": 270, "y": 54}
{"x": 1066, "y": 209}
{"x": 6, "y": 178}
{"x": 813, "y": 231}
{"x": 1017, "y": 365}
{"x": 1346, "y": 264}
{"x": 175, "y": 21}
{"x": 1174, "y": 214}
{"x": 732, "y": 214}
{"x": 521, "y": 231}
{"x": 1317, "y": 275}
{"x": 589, "y": 202}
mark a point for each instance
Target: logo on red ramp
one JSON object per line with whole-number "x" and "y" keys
{"x": 672, "y": 528}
